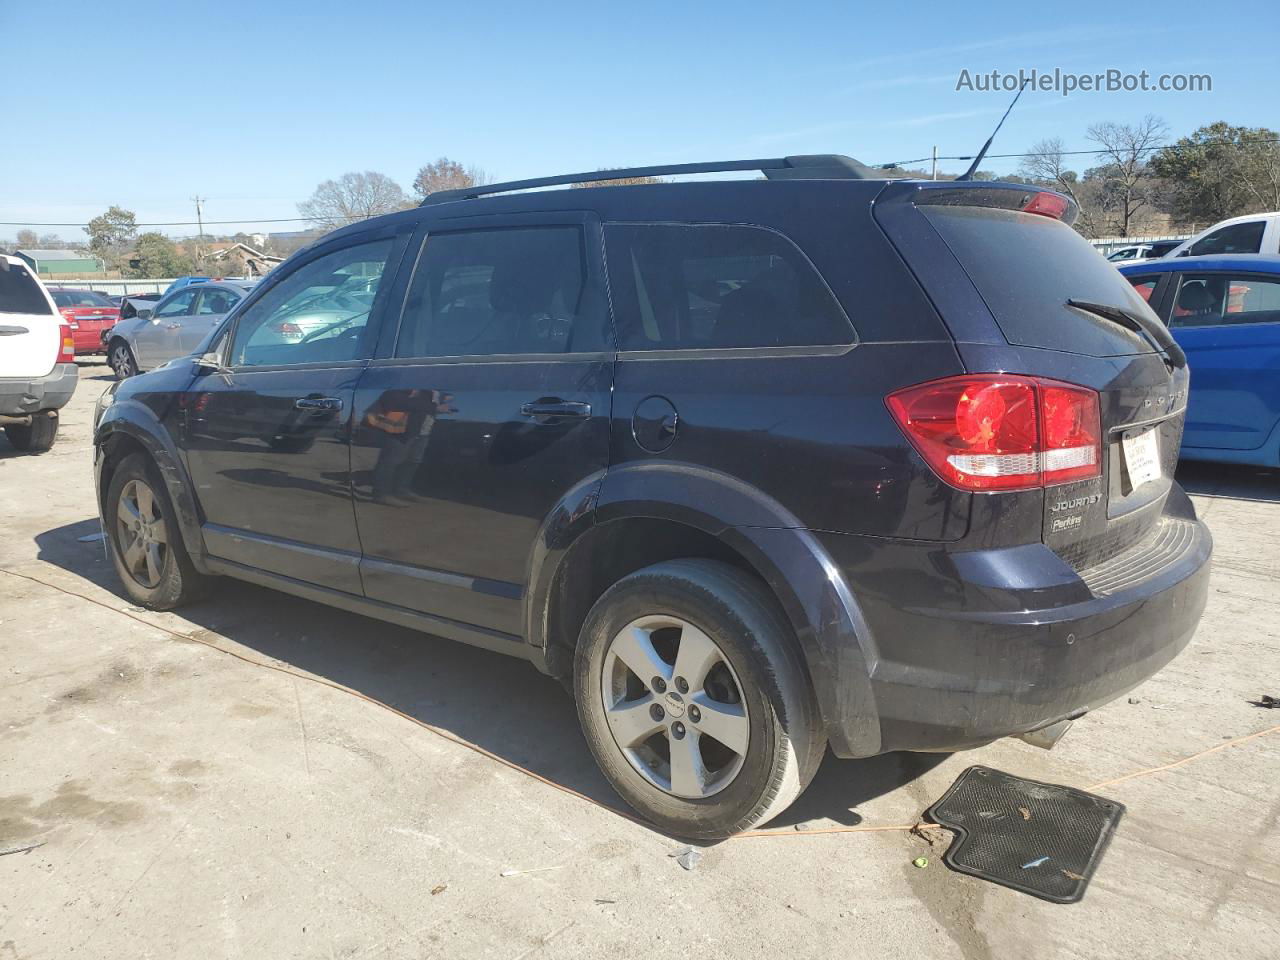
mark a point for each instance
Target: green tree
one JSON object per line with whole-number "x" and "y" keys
{"x": 1221, "y": 171}
{"x": 110, "y": 232}
{"x": 156, "y": 256}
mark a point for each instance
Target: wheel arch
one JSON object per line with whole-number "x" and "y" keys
{"x": 654, "y": 512}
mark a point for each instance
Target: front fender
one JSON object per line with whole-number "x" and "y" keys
{"x": 835, "y": 641}
{"x": 135, "y": 420}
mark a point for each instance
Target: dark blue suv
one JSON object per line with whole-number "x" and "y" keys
{"x": 755, "y": 466}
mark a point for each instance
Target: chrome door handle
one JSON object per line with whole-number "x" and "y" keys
{"x": 555, "y": 407}
{"x": 172, "y": 326}
{"x": 318, "y": 403}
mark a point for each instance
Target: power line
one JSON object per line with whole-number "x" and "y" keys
{"x": 1078, "y": 153}
{"x": 170, "y": 223}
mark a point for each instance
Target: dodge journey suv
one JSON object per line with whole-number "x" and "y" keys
{"x": 756, "y": 467}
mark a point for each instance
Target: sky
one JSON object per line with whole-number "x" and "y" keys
{"x": 147, "y": 105}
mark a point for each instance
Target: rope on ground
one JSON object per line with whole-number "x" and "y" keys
{"x": 511, "y": 765}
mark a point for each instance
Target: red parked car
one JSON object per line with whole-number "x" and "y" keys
{"x": 89, "y": 314}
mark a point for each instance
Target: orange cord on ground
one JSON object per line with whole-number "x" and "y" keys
{"x": 452, "y": 738}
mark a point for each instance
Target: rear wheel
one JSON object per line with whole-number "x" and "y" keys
{"x": 120, "y": 359}
{"x": 36, "y": 436}
{"x": 693, "y": 699}
{"x": 146, "y": 545}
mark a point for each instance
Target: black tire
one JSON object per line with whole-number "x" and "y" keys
{"x": 121, "y": 360}
{"x": 735, "y": 611}
{"x": 36, "y": 436}
{"x": 168, "y": 580}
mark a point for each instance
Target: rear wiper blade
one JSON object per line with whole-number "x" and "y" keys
{"x": 1158, "y": 333}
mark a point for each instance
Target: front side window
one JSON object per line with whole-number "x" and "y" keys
{"x": 502, "y": 291}
{"x": 179, "y": 306}
{"x": 19, "y": 292}
{"x": 1218, "y": 299}
{"x": 1237, "y": 238}
{"x": 316, "y": 314}
{"x": 708, "y": 286}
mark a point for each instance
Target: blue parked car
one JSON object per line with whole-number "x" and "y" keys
{"x": 1224, "y": 311}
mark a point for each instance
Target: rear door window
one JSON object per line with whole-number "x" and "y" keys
{"x": 1212, "y": 300}
{"x": 19, "y": 292}
{"x": 1145, "y": 286}
{"x": 502, "y": 291}
{"x": 709, "y": 286}
{"x": 1237, "y": 238}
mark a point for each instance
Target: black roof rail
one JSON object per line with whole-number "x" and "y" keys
{"x": 817, "y": 166}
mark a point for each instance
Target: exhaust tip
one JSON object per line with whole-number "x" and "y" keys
{"x": 1046, "y": 737}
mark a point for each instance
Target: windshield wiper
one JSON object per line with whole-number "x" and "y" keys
{"x": 1158, "y": 334}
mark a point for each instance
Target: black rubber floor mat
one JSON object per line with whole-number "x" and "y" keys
{"x": 1039, "y": 838}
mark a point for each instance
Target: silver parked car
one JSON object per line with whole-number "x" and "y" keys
{"x": 173, "y": 326}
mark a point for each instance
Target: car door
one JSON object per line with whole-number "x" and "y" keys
{"x": 1229, "y": 326}
{"x": 487, "y": 407}
{"x": 267, "y": 435}
{"x": 212, "y": 303}
{"x": 156, "y": 339}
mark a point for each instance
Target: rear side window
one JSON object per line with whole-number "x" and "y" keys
{"x": 708, "y": 286}
{"x": 1237, "y": 238}
{"x": 1213, "y": 300}
{"x": 1145, "y": 286}
{"x": 502, "y": 291}
{"x": 19, "y": 292}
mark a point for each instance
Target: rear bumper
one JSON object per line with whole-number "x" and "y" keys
{"x": 22, "y": 395}
{"x": 976, "y": 646}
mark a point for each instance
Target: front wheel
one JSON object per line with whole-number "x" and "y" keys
{"x": 693, "y": 699}
{"x": 120, "y": 359}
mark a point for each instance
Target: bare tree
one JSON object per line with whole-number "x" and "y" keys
{"x": 620, "y": 182}
{"x": 446, "y": 174}
{"x": 353, "y": 197}
{"x": 28, "y": 239}
{"x": 1124, "y": 174}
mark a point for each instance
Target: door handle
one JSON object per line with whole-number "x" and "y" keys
{"x": 172, "y": 326}
{"x": 555, "y": 407}
{"x": 318, "y": 403}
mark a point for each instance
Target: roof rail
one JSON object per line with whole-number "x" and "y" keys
{"x": 818, "y": 166}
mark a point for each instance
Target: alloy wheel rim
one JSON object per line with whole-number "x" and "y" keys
{"x": 120, "y": 361}
{"x": 674, "y": 706}
{"x": 142, "y": 536}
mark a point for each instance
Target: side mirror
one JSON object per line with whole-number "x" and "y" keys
{"x": 145, "y": 314}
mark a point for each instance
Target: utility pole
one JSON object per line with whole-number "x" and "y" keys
{"x": 198, "y": 200}
{"x": 935, "y": 163}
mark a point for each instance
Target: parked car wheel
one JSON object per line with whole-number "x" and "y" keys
{"x": 120, "y": 358}
{"x": 36, "y": 436}
{"x": 693, "y": 700}
{"x": 146, "y": 545}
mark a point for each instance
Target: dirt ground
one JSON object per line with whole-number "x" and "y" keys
{"x": 207, "y": 785}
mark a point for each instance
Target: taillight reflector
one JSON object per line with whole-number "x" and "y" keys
{"x": 1047, "y": 205}
{"x": 993, "y": 432}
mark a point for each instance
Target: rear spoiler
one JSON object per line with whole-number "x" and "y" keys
{"x": 1002, "y": 196}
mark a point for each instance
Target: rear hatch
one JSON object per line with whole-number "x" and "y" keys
{"x": 29, "y": 328}
{"x": 1048, "y": 305}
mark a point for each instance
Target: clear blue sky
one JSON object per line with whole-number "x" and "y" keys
{"x": 147, "y": 104}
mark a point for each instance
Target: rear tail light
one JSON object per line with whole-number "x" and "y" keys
{"x": 1002, "y": 432}
{"x": 1047, "y": 205}
{"x": 67, "y": 344}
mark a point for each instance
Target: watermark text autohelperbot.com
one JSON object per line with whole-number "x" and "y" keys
{"x": 1065, "y": 83}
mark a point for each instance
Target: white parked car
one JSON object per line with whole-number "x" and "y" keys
{"x": 38, "y": 372}
{"x": 1254, "y": 233}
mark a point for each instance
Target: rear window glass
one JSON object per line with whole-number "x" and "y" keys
{"x": 80, "y": 298}
{"x": 1027, "y": 266}
{"x": 19, "y": 292}
{"x": 710, "y": 286}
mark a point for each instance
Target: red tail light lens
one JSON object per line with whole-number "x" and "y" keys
{"x": 996, "y": 432}
{"x": 1047, "y": 205}
{"x": 66, "y": 344}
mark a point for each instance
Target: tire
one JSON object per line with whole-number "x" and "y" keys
{"x": 36, "y": 436}
{"x": 773, "y": 737}
{"x": 159, "y": 579}
{"x": 121, "y": 360}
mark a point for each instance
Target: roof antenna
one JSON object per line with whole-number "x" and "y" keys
{"x": 973, "y": 167}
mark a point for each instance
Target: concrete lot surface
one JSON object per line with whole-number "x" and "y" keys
{"x": 195, "y": 802}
